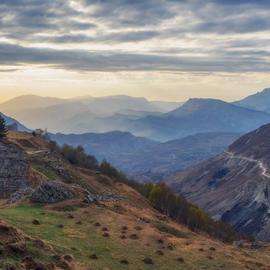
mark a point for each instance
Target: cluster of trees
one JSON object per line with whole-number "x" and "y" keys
{"x": 180, "y": 210}
{"x": 3, "y": 127}
{"x": 75, "y": 155}
{"x": 176, "y": 207}
{"x": 160, "y": 196}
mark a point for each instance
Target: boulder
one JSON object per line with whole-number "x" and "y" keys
{"x": 20, "y": 195}
{"x": 52, "y": 192}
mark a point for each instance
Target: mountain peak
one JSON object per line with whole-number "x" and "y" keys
{"x": 197, "y": 104}
{"x": 259, "y": 101}
{"x": 204, "y": 101}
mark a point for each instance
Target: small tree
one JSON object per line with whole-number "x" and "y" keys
{"x": 3, "y": 127}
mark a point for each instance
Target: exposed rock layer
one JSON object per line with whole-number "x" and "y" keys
{"x": 14, "y": 169}
{"x": 52, "y": 192}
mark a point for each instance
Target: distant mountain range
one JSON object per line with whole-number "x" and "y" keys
{"x": 259, "y": 101}
{"x": 85, "y": 114}
{"x": 199, "y": 116}
{"x": 156, "y": 120}
{"x": 146, "y": 160}
{"x": 234, "y": 186}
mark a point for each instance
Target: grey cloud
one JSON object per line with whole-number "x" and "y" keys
{"x": 118, "y": 37}
{"x": 108, "y": 61}
{"x": 120, "y": 21}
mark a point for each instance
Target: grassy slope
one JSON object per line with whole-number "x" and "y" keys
{"x": 83, "y": 240}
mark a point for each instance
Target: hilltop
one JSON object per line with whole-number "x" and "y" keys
{"x": 105, "y": 224}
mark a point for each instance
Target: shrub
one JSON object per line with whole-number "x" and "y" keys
{"x": 76, "y": 156}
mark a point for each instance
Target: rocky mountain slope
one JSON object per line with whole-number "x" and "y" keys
{"x": 95, "y": 222}
{"x": 146, "y": 160}
{"x": 234, "y": 186}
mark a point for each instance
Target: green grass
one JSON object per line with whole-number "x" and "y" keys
{"x": 83, "y": 240}
{"x": 50, "y": 174}
{"x": 86, "y": 239}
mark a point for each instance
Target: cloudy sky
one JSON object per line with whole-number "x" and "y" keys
{"x": 160, "y": 49}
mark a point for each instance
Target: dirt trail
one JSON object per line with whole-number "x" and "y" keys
{"x": 259, "y": 163}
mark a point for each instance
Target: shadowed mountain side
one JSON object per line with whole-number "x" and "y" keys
{"x": 146, "y": 160}
{"x": 234, "y": 186}
{"x": 199, "y": 116}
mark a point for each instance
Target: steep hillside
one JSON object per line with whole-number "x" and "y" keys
{"x": 145, "y": 160}
{"x": 199, "y": 116}
{"x": 234, "y": 186}
{"x": 119, "y": 229}
{"x": 259, "y": 101}
{"x": 11, "y": 121}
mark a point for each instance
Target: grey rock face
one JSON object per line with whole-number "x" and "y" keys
{"x": 13, "y": 169}
{"x": 20, "y": 195}
{"x": 52, "y": 192}
{"x": 106, "y": 197}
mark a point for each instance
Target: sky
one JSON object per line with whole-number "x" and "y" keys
{"x": 159, "y": 49}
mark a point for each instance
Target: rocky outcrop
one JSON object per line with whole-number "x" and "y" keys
{"x": 14, "y": 169}
{"x": 21, "y": 195}
{"x": 106, "y": 197}
{"x": 52, "y": 192}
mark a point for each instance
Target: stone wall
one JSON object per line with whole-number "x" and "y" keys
{"x": 14, "y": 169}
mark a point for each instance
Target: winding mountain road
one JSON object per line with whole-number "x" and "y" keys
{"x": 259, "y": 163}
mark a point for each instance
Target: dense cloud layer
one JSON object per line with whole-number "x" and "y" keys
{"x": 170, "y": 35}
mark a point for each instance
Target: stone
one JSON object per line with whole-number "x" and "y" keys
{"x": 35, "y": 222}
{"x": 20, "y": 195}
{"x": 93, "y": 257}
{"x": 52, "y": 192}
{"x": 134, "y": 236}
{"x": 124, "y": 261}
{"x": 148, "y": 261}
{"x": 68, "y": 258}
